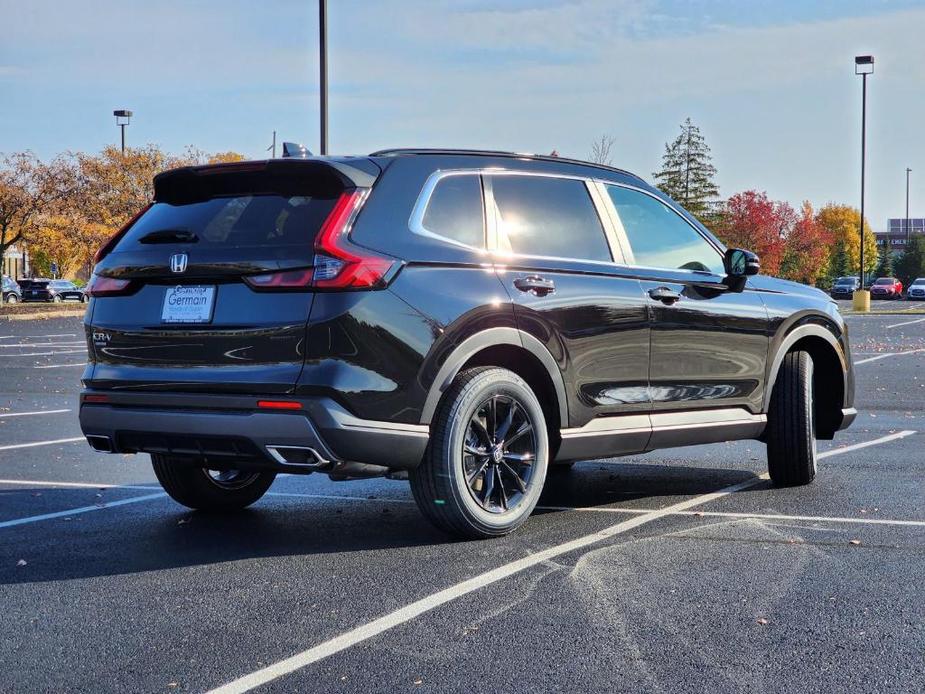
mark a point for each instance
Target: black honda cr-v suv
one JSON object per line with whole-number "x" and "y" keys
{"x": 467, "y": 319}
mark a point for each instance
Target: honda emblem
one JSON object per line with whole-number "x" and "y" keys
{"x": 178, "y": 262}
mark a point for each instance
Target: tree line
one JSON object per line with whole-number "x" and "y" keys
{"x": 808, "y": 245}
{"x": 64, "y": 209}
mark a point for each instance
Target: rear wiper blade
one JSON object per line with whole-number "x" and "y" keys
{"x": 169, "y": 236}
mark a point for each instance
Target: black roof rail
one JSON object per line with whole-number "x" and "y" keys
{"x": 496, "y": 153}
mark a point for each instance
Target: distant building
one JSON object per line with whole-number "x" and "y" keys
{"x": 15, "y": 262}
{"x": 895, "y": 235}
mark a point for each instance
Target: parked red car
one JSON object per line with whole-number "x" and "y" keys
{"x": 886, "y": 288}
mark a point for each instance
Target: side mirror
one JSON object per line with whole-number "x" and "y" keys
{"x": 741, "y": 263}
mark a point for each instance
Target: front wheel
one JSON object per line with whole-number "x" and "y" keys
{"x": 486, "y": 462}
{"x": 56, "y": 300}
{"x": 210, "y": 490}
{"x": 791, "y": 430}
{"x": 12, "y": 299}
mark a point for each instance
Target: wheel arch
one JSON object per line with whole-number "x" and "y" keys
{"x": 512, "y": 349}
{"x": 830, "y": 373}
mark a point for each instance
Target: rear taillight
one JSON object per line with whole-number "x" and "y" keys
{"x": 114, "y": 239}
{"x": 108, "y": 286}
{"x": 338, "y": 263}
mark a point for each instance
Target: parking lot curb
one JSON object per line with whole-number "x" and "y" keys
{"x": 40, "y": 315}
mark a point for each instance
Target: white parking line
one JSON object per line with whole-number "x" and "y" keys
{"x": 53, "y": 335}
{"x": 419, "y": 607}
{"x": 41, "y": 443}
{"x": 82, "y": 509}
{"x": 27, "y": 414}
{"x": 78, "y": 485}
{"x": 44, "y": 344}
{"x": 908, "y": 322}
{"x": 60, "y": 366}
{"x": 888, "y": 354}
{"x": 44, "y": 354}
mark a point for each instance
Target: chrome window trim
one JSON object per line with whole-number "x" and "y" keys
{"x": 624, "y": 240}
{"x": 416, "y": 221}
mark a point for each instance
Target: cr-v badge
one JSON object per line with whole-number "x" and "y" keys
{"x": 178, "y": 262}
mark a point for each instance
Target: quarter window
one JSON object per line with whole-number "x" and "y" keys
{"x": 546, "y": 216}
{"x": 454, "y": 210}
{"x": 659, "y": 237}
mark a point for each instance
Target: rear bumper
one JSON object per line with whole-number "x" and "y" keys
{"x": 231, "y": 430}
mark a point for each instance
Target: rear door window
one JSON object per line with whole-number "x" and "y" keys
{"x": 547, "y": 216}
{"x": 232, "y": 222}
{"x": 455, "y": 211}
{"x": 661, "y": 238}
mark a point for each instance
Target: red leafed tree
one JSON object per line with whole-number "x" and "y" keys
{"x": 807, "y": 248}
{"x": 752, "y": 221}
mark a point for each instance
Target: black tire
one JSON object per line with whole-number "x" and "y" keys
{"x": 791, "y": 430}
{"x": 56, "y": 300}
{"x": 467, "y": 485}
{"x": 203, "y": 490}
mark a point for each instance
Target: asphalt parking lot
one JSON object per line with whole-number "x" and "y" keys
{"x": 679, "y": 570}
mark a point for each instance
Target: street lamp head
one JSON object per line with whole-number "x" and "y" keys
{"x": 864, "y": 65}
{"x": 120, "y": 114}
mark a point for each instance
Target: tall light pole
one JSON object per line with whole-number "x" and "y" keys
{"x": 323, "y": 62}
{"x": 863, "y": 66}
{"x": 908, "y": 234}
{"x": 123, "y": 118}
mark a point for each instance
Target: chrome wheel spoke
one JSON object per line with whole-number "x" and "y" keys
{"x": 471, "y": 478}
{"x": 523, "y": 458}
{"x": 503, "y": 494}
{"x": 480, "y": 430}
{"x": 489, "y": 487}
{"x": 472, "y": 450}
{"x": 506, "y": 425}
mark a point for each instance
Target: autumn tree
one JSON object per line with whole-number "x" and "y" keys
{"x": 753, "y": 221}
{"x": 687, "y": 172}
{"x": 807, "y": 247}
{"x": 27, "y": 189}
{"x": 842, "y": 223}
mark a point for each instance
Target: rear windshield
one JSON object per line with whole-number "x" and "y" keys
{"x": 252, "y": 220}
{"x": 885, "y": 280}
{"x": 846, "y": 280}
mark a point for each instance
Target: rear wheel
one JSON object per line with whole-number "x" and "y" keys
{"x": 11, "y": 299}
{"x": 56, "y": 299}
{"x": 791, "y": 430}
{"x": 486, "y": 463}
{"x": 210, "y": 490}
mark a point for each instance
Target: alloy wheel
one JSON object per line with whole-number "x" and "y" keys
{"x": 499, "y": 454}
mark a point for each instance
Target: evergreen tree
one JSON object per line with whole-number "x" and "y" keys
{"x": 911, "y": 265}
{"x": 885, "y": 263}
{"x": 687, "y": 172}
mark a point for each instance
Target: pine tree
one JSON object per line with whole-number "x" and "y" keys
{"x": 687, "y": 172}
{"x": 885, "y": 263}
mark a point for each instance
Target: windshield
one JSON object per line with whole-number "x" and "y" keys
{"x": 885, "y": 280}
{"x": 920, "y": 281}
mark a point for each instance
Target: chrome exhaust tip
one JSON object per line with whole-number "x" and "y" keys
{"x": 100, "y": 443}
{"x": 298, "y": 456}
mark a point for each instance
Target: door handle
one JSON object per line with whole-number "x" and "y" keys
{"x": 665, "y": 295}
{"x": 540, "y": 286}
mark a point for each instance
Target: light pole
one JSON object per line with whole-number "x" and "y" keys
{"x": 908, "y": 234}
{"x": 323, "y": 62}
{"x": 863, "y": 66}
{"x": 123, "y": 118}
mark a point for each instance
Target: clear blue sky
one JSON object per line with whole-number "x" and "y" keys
{"x": 771, "y": 84}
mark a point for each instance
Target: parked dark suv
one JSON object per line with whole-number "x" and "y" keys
{"x": 464, "y": 318}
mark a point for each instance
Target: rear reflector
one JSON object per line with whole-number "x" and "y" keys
{"x": 108, "y": 286}
{"x": 96, "y": 398}
{"x": 279, "y": 405}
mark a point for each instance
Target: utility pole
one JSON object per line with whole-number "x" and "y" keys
{"x": 323, "y": 62}
{"x": 123, "y": 118}
{"x": 863, "y": 66}
{"x": 908, "y": 232}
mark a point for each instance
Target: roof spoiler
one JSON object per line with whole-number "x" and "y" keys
{"x": 289, "y": 177}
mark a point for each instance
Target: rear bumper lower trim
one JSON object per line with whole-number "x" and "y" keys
{"x": 184, "y": 424}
